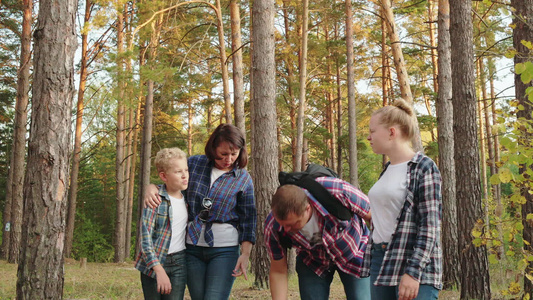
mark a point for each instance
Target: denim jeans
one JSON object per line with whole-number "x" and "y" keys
{"x": 380, "y": 292}
{"x": 209, "y": 271}
{"x": 314, "y": 287}
{"x": 175, "y": 267}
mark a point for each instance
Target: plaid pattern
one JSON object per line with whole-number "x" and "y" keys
{"x": 343, "y": 242}
{"x": 156, "y": 232}
{"x": 233, "y": 200}
{"x": 415, "y": 248}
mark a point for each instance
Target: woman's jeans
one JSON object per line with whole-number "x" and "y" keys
{"x": 314, "y": 287}
{"x": 209, "y": 271}
{"x": 380, "y": 292}
{"x": 175, "y": 266}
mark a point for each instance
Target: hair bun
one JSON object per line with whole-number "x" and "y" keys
{"x": 403, "y": 105}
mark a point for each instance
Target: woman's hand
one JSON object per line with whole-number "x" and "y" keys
{"x": 151, "y": 196}
{"x": 242, "y": 263}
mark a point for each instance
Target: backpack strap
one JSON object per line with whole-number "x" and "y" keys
{"x": 322, "y": 195}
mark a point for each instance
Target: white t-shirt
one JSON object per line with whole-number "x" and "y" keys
{"x": 178, "y": 224}
{"x": 387, "y": 197}
{"x": 224, "y": 234}
{"x": 311, "y": 231}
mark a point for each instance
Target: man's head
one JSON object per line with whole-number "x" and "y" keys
{"x": 291, "y": 208}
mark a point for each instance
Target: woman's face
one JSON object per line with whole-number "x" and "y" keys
{"x": 226, "y": 155}
{"x": 379, "y": 136}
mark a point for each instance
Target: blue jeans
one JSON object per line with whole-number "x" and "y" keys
{"x": 177, "y": 273}
{"x": 314, "y": 287}
{"x": 209, "y": 271}
{"x": 380, "y": 292}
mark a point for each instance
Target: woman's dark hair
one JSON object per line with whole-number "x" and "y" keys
{"x": 234, "y": 137}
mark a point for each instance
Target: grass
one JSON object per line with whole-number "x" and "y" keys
{"x": 121, "y": 281}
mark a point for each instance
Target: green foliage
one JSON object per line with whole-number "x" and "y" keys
{"x": 90, "y": 242}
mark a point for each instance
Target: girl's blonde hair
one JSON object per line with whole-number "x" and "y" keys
{"x": 400, "y": 114}
{"x": 165, "y": 156}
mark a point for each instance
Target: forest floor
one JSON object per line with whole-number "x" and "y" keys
{"x": 121, "y": 281}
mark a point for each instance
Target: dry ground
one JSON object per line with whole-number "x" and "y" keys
{"x": 121, "y": 281}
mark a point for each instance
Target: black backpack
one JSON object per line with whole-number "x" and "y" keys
{"x": 306, "y": 179}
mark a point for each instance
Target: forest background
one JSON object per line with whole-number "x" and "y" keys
{"x": 155, "y": 74}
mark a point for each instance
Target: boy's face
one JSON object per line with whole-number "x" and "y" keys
{"x": 176, "y": 176}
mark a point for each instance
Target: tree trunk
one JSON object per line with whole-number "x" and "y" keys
{"x": 238, "y": 81}
{"x": 19, "y": 136}
{"x": 352, "y": 110}
{"x": 523, "y": 31}
{"x": 303, "y": 80}
{"x": 264, "y": 147}
{"x": 451, "y": 267}
{"x": 433, "y": 44}
{"x": 40, "y": 271}
{"x": 399, "y": 63}
{"x": 475, "y": 283}
{"x": 73, "y": 188}
{"x": 223, "y": 66}
{"x": 483, "y": 154}
{"x": 6, "y": 237}
{"x": 339, "y": 120}
{"x": 120, "y": 222}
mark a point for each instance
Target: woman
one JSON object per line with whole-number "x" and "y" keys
{"x": 222, "y": 215}
{"x": 406, "y": 255}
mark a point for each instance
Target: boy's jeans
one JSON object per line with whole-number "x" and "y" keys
{"x": 175, "y": 266}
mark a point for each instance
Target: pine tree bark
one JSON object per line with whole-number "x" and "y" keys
{"x": 238, "y": 79}
{"x": 19, "y": 138}
{"x": 451, "y": 265}
{"x": 264, "y": 143}
{"x": 73, "y": 188}
{"x": 352, "y": 110}
{"x": 40, "y": 270}
{"x": 475, "y": 283}
{"x": 300, "y": 125}
{"x": 223, "y": 66}
{"x": 523, "y": 31}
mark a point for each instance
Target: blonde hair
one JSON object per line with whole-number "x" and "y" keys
{"x": 165, "y": 156}
{"x": 400, "y": 114}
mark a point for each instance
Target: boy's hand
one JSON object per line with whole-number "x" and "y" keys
{"x": 151, "y": 196}
{"x": 163, "y": 282}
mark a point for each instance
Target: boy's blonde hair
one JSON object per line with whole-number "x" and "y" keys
{"x": 164, "y": 157}
{"x": 400, "y": 114}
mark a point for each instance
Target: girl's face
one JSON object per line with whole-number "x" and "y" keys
{"x": 226, "y": 155}
{"x": 380, "y": 136}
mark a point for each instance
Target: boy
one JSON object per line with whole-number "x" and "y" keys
{"x": 161, "y": 259}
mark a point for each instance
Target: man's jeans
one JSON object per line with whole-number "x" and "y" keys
{"x": 175, "y": 267}
{"x": 314, "y": 287}
{"x": 209, "y": 271}
{"x": 380, "y": 292}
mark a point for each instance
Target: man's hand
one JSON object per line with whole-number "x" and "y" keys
{"x": 408, "y": 288}
{"x": 163, "y": 282}
{"x": 151, "y": 196}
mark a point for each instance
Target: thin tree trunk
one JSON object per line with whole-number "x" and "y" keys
{"x": 352, "y": 110}
{"x": 384, "y": 60}
{"x": 223, "y": 66}
{"x": 6, "y": 237}
{"x": 40, "y": 269}
{"x": 399, "y": 63}
{"x": 264, "y": 148}
{"x": 303, "y": 80}
{"x": 433, "y": 43}
{"x": 523, "y": 31}
{"x": 19, "y": 135}
{"x": 339, "y": 120}
{"x": 120, "y": 222}
{"x": 483, "y": 155}
{"x": 238, "y": 81}
{"x": 73, "y": 188}
{"x": 451, "y": 267}
{"x": 475, "y": 283}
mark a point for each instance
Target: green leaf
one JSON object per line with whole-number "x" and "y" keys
{"x": 528, "y": 44}
{"x": 495, "y": 179}
{"x": 519, "y": 226}
{"x": 519, "y": 68}
{"x": 505, "y": 175}
{"x": 529, "y": 217}
{"x": 492, "y": 259}
{"x": 509, "y": 253}
{"x": 477, "y": 242}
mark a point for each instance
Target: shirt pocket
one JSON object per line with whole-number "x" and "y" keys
{"x": 161, "y": 220}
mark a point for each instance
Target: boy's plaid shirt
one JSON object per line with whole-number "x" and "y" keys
{"x": 155, "y": 235}
{"x": 415, "y": 248}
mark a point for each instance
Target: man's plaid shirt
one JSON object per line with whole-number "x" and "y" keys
{"x": 343, "y": 242}
{"x": 415, "y": 248}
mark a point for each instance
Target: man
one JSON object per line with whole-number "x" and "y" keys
{"x": 324, "y": 244}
